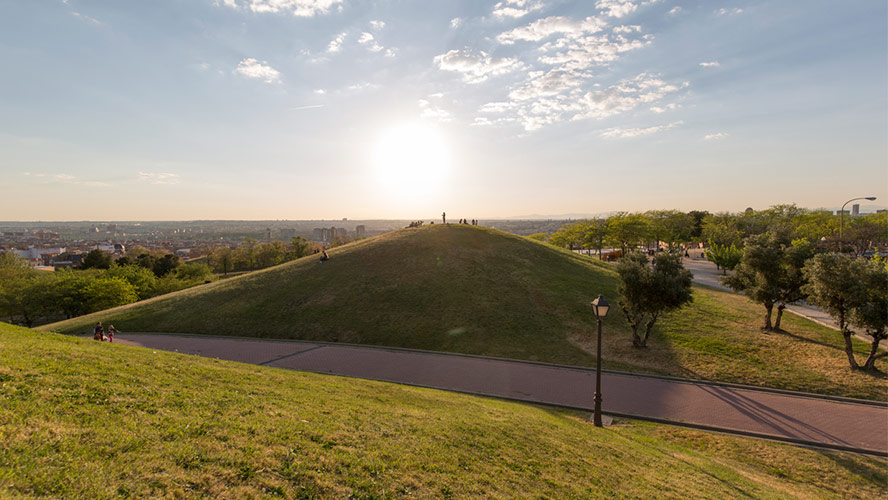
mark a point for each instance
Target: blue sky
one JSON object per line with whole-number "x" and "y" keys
{"x": 297, "y": 109}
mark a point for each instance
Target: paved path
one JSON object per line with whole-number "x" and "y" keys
{"x": 836, "y": 423}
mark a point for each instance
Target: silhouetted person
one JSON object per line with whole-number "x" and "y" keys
{"x": 444, "y": 217}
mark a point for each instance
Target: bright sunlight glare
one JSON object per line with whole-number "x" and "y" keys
{"x": 411, "y": 160}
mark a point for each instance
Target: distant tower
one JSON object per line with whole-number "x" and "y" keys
{"x": 855, "y": 210}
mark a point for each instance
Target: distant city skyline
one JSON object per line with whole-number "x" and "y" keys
{"x": 323, "y": 109}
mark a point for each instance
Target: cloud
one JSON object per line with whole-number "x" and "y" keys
{"x": 62, "y": 177}
{"x": 728, "y": 12}
{"x": 159, "y": 177}
{"x": 251, "y": 68}
{"x": 432, "y": 112}
{"x": 68, "y": 179}
{"x": 548, "y": 26}
{"x": 616, "y": 8}
{"x": 715, "y": 137}
{"x": 626, "y": 133}
{"x": 663, "y": 109}
{"x": 377, "y": 25}
{"x": 336, "y": 44}
{"x": 86, "y": 18}
{"x": 476, "y": 67}
{"x": 674, "y": 11}
{"x": 367, "y": 40}
{"x": 301, "y": 8}
{"x": 710, "y": 64}
{"x": 455, "y": 22}
{"x": 516, "y": 8}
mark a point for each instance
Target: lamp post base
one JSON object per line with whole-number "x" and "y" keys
{"x": 605, "y": 420}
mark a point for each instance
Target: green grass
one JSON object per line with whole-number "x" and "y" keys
{"x": 82, "y": 419}
{"x": 481, "y": 291}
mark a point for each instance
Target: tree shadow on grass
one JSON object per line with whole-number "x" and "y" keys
{"x": 867, "y": 469}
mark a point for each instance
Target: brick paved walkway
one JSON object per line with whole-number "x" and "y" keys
{"x": 790, "y": 417}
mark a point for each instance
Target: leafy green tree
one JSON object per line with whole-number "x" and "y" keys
{"x": 108, "y": 291}
{"x": 72, "y": 291}
{"x": 724, "y": 257}
{"x": 759, "y": 272}
{"x": 194, "y": 272}
{"x": 792, "y": 280}
{"x": 722, "y": 229}
{"x": 539, "y": 236}
{"x": 142, "y": 280}
{"x": 871, "y": 315}
{"x": 850, "y": 290}
{"x": 299, "y": 247}
{"x": 595, "y": 235}
{"x": 568, "y": 236}
{"x": 96, "y": 259}
{"x": 697, "y": 216}
{"x": 270, "y": 254}
{"x": 627, "y": 231}
{"x": 166, "y": 264}
{"x": 864, "y": 232}
{"x": 222, "y": 260}
{"x": 245, "y": 254}
{"x": 670, "y": 226}
{"x": 647, "y": 291}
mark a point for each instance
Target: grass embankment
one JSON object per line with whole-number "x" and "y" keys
{"x": 83, "y": 419}
{"x": 481, "y": 291}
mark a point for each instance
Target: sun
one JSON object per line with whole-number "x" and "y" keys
{"x": 411, "y": 160}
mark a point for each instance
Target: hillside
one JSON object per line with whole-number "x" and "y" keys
{"x": 83, "y": 419}
{"x": 475, "y": 290}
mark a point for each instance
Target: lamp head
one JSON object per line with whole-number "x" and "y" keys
{"x": 600, "y": 306}
{"x": 870, "y": 198}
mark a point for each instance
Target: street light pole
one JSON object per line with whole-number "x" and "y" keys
{"x": 842, "y": 217}
{"x": 600, "y": 306}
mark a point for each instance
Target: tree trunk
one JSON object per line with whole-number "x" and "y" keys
{"x": 647, "y": 329}
{"x": 768, "y": 309}
{"x": 780, "y": 309}
{"x": 849, "y": 350}
{"x": 870, "y": 363}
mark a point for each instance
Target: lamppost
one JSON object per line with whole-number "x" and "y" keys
{"x": 842, "y": 217}
{"x": 600, "y": 306}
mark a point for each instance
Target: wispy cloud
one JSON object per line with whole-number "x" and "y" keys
{"x": 476, "y": 67}
{"x": 516, "y": 8}
{"x": 728, "y": 12}
{"x": 715, "y": 137}
{"x": 336, "y": 44}
{"x": 311, "y": 106}
{"x": 252, "y": 68}
{"x": 455, "y": 22}
{"x": 626, "y": 133}
{"x": 662, "y": 109}
{"x": 367, "y": 40}
{"x": 432, "y": 112}
{"x": 301, "y": 8}
{"x": 377, "y": 25}
{"x": 159, "y": 177}
{"x": 710, "y": 64}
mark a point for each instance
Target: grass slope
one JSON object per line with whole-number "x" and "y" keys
{"x": 81, "y": 419}
{"x": 481, "y": 291}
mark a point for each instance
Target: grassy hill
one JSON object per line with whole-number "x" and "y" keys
{"x": 83, "y": 419}
{"x": 481, "y": 291}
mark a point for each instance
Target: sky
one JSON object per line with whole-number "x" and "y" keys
{"x": 309, "y": 109}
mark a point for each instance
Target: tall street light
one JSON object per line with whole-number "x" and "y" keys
{"x": 842, "y": 217}
{"x": 600, "y": 306}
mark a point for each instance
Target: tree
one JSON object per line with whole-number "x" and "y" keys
{"x": 194, "y": 272}
{"x": 850, "y": 290}
{"x": 792, "y": 280}
{"x": 143, "y": 280}
{"x": 647, "y": 291}
{"x": 872, "y": 314}
{"x": 222, "y": 260}
{"x": 166, "y": 264}
{"x": 670, "y": 226}
{"x": 539, "y": 236}
{"x": 245, "y": 254}
{"x": 96, "y": 259}
{"x": 722, "y": 229}
{"x": 697, "y": 216}
{"x": 568, "y": 236}
{"x": 107, "y": 292}
{"x": 863, "y": 232}
{"x": 724, "y": 257}
{"x": 595, "y": 235}
{"x": 759, "y": 272}
{"x": 270, "y": 254}
{"x": 299, "y": 247}
{"x": 627, "y": 230}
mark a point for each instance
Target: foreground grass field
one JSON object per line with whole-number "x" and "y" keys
{"x": 82, "y": 419}
{"x": 480, "y": 291}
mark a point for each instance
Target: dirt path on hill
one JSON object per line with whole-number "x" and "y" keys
{"x": 809, "y": 419}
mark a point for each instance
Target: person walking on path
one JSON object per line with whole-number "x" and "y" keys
{"x": 111, "y": 332}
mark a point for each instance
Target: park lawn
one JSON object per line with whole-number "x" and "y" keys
{"x": 475, "y": 290}
{"x": 82, "y": 419}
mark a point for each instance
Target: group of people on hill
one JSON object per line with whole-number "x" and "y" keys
{"x": 101, "y": 334}
{"x": 474, "y": 222}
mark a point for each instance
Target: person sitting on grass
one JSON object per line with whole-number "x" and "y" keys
{"x": 99, "y": 332}
{"x": 325, "y": 256}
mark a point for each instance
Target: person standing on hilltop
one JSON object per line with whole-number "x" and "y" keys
{"x": 444, "y": 217}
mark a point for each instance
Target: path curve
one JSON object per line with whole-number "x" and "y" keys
{"x": 837, "y": 423}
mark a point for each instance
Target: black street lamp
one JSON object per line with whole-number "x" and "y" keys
{"x": 842, "y": 217}
{"x": 600, "y": 306}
